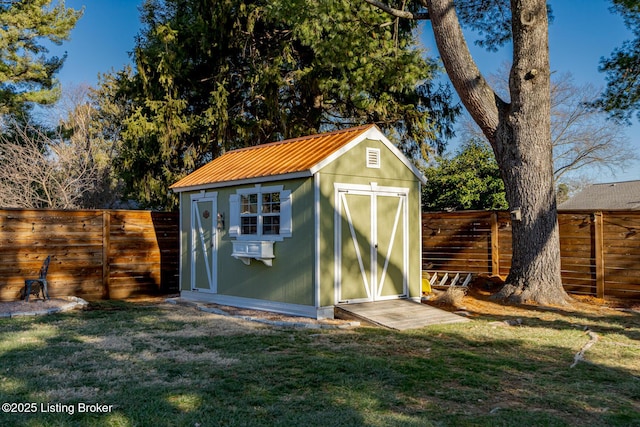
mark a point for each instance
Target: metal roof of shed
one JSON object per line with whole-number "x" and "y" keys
{"x": 284, "y": 159}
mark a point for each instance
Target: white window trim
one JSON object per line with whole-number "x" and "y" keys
{"x": 235, "y": 229}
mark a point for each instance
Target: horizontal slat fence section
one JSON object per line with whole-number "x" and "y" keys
{"x": 457, "y": 241}
{"x": 600, "y": 251}
{"x": 94, "y": 254}
{"x": 577, "y": 255}
{"x": 621, "y": 258}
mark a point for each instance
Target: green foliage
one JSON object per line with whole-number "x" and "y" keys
{"x": 26, "y": 73}
{"x": 470, "y": 180}
{"x": 562, "y": 192}
{"x": 622, "y": 95}
{"x": 216, "y": 75}
{"x": 490, "y": 20}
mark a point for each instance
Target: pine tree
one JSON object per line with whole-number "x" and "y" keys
{"x": 216, "y": 75}
{"x": 27, "y": 75}
{"x": 621, "y": 98}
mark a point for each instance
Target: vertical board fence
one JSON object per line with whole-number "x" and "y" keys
{"x": 600, "y": 251}
{"x": 97, "y": 254}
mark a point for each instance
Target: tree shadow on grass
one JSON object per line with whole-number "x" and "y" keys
{"x": 176, "y": 366}
{"x": 580, "y": 315}
{"x": 154, "y": 367}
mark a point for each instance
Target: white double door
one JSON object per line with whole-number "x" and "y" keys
{"x": 371, "y": 246}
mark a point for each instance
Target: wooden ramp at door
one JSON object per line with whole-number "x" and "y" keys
{"x": 397, "y": 314}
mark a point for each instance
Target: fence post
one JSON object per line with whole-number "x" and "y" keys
{"x": 106, "y": 249}
{"x": 495, "y": 245}
{"x": 598, "y": 243}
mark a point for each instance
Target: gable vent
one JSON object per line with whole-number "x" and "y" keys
{"x": 373, "y": 157}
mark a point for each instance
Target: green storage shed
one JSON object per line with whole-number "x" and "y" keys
{"x": 302, "y": 225}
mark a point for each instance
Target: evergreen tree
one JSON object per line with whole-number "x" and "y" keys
{"x": 622, "y": 95}
{"x": 216, "y": 75}
{"x": 469, "y": 180}
{"x": 26, "y": 73}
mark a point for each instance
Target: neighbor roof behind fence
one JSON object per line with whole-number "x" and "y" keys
{"x": 608, "y": 196}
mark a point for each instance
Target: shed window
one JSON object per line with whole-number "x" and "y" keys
{"x": 270, "y": 213}
{"x": 260, "y": 212}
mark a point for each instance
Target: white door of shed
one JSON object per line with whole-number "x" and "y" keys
{"x": 371, "y": 243}
{"x": 204, "y": 243}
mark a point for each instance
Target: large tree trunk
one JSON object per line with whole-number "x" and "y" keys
{"x": 520, "y": 135}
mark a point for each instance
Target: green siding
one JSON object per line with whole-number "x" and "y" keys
{"x": 290, "y": 279}
{"x": 353, "y": 164}
{"x": 351, "y": 168}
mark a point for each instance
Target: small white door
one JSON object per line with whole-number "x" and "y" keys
{"x": 204, "y": 243}
{"x": 371, "y": 243}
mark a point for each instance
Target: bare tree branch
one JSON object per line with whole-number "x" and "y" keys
{"x": 399, "y": 13}
{"x": 38, "y": 172}
{"x": 584, "y": 141}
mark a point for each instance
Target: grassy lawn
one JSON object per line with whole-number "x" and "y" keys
{"x": 164, "y": 365}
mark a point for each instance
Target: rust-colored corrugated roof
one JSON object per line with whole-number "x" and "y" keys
{"x": 274, "y": 159}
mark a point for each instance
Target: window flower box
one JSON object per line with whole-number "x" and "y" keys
{"x": 261, "y": 250}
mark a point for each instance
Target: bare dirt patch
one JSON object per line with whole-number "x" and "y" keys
{"x": 477, "y": 301}
{"x": 274, "y": 317}
{"x": 266, "y": 317}
{"x": 36, "y": 305}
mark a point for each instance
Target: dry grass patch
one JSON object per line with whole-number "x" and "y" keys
{"x": 66, "y": 394}
{"x": 192, "y": 355}
{"x": 452, "y": 297}
{"x": 167, "y": 365}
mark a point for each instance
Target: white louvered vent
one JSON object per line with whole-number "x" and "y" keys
{"x": 373, "y": 157}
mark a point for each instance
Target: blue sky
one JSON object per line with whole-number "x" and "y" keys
{"x": 582, "y": 33}
{"x": 101, "y": 40}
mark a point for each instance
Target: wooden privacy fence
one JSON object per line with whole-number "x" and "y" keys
{"x": 600, "y": 251}
{"x": 95, "y": 254}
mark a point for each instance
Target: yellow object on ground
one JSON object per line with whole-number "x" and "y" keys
{"x": 426, "y": 284}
